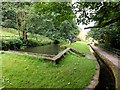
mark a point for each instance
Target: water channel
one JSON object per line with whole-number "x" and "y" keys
{"x": 106, "y": 78}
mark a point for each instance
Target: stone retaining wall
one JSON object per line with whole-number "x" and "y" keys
{"x": 94, "y": 82}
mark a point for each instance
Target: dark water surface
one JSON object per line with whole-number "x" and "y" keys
{"x": 106, "y": 78}
{"x": 51, "y": 49}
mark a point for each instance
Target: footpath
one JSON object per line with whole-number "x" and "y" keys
{"x": 111, "y": 60}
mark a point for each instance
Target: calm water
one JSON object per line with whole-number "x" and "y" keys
{"x": 51, "y": 49}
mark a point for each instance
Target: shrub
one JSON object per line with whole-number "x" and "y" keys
{"x": 11, "y": 44}
{"x": 15, "y": 44}
{"x": 5, "y": 45}
{"x": 32, "y": 43}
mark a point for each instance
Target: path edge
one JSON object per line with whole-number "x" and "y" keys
{"x": 95, "y": 80}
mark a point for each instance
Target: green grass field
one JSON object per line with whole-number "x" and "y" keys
{"x": 24, "y": 71}
{"x": 79, "y": 46}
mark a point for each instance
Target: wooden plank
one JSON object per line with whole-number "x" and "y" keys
{"x": 59, "y": 55}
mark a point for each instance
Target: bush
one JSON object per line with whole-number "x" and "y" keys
{"x": 32, "y": 43}
{"x": 5, "y": 45}
{"x": 8, "y": 23}
{"x": 11, "y": 44}
{"x": 14, "y": 44}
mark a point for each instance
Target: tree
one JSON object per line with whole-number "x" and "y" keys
{"x": 59, "y": 11}
{"x": 103, "y": 13}
{"x": 106, "y": 16}
{"x": 14, "y": 16}
{"x": 8, "y": 15}
{"x": 54, "y": 20}
{"x": 109, "y": 35}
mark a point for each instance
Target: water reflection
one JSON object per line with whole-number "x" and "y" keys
{"x": 46, "y": 49}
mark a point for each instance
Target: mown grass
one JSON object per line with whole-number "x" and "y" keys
{"x": 80, "y": 46}
{"x": 24, "y": 71}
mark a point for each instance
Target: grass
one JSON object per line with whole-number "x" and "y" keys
{"x": 80, "y": 46}
{"x": 8, "y": 32}
{"x": 24, "y": 71}
{"x": 13, "y": 33}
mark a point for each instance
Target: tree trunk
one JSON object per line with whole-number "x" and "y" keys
{"x": 24, "y": 35}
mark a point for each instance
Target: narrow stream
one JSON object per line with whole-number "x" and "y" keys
{"x": 106, "y": 78}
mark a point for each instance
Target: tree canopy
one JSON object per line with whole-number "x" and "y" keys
{"x": 103, "y": 13}
{"x": 55, "y": 20}
{"x": 107, "y": 21}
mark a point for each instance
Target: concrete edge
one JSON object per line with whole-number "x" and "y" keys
{"x": 94, "y": 82}
{"x": 113, "y": 68}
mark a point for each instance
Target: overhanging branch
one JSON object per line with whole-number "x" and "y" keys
{"x": 103, "y": 24}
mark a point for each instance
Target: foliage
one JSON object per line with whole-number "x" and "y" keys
{"x": 103, "y": 13}
{"x": 40, "y": 18}
{"x": 46, "y": 27}
{"x": 5, "y": 45}
{"x": 10, "y": 39}
{"x": 8, "y": 32}
{"x": 59, "y": 11}
{"x": 8, "y": 16}
{"x": 106, "y": 16}
{"x": 10, "y": 11}
{"x": 46, "y": 19}
{"x": 33, "y": 42}
{"x": 9, "y": 23}
{"x": 11, "y": 44}
{"x": 23, "y": 71}
{"x": 15, "y": 43}
{"x": 109, "y": 35}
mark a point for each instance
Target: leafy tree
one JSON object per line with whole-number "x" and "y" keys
{"x": 106, "y": 16}
{"x": 109, "y": 35}
{"x": 103, "y": 13}
{"x": 59, "y": 11}
{"x": 8, "y": 15}
{"x": 54, "y": 19}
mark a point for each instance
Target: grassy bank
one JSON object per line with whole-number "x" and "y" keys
{"x": 24, "y": 71}
{"x": 10, "y": 39}
{"x": 79, "y": 46}
{"x": 13, "y": 33}
{"x": 8, "y": 32}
